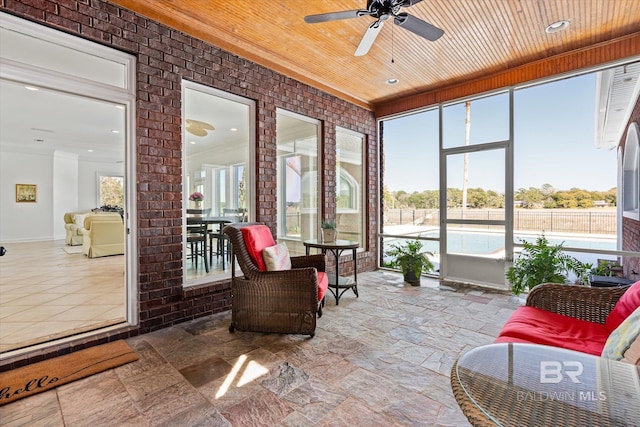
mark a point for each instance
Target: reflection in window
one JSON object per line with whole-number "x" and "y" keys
{"x": 297, "y": 174}
{"x": 292, "y": 191}
{"x": 218, "y": 144}
{"x": 347, "y": 197}
{"x": 350, "y": 215}
{"x": 631, "y": 174}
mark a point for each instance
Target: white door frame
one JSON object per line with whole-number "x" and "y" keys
{"x": 485, "y": 270}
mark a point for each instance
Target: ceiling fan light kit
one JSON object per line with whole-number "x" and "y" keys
{"x": 382, "y": 10}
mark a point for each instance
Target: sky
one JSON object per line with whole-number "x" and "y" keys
{"x": 554, "y": 142}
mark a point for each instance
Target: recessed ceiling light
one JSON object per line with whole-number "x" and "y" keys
{"x": 192, "y": 142}
{"x": 234, "y": 129}
{"x": 558, "y": 26}
{"x": 393, "y": 81}
{"x": 90, "y": 151}
{"x": 115, "y": 131}
{"x": 31, "y": 88}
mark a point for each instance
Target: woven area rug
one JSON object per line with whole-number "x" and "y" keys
{"x": 42, "y": 376}
{"x": 72, "y": 250}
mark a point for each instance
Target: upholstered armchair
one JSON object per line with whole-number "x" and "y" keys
{"x": 73, "y": 231}
{"x": 285, "y": 300}
{"x": 103, "y": 235}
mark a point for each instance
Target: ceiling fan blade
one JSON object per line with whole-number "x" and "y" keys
{"x": 197, "y": 131}
{"x": 368, "y": 38}
{"x": 418, "y": 26}
{"x": 334, "y": 16}
{"x": 407, "y": 3}
{"x": 198, "y": 124}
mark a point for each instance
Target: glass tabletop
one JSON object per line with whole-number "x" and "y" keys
{"x": 528, "y": 384}
{"x": 339, "y": 243}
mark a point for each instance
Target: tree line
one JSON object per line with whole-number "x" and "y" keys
{"x": 528, "y": 198}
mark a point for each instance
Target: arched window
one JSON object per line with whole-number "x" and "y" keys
{"x": 347, "y": 197}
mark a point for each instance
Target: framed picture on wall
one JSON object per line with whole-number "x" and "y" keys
{"x": 25, "y": 193}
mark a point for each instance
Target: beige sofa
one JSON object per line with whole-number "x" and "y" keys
{"x": 74, "y": 223}
{"x": 103, "y": 235}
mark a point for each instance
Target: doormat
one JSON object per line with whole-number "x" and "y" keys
{"x": 42, "y": 376}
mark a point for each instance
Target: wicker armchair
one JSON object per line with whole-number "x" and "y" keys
{"x": 273, "y": 301}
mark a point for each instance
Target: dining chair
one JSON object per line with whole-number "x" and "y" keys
{"x": 223, "y": 245}
{"x": 197, "y": 240}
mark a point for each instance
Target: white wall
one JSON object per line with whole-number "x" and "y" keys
{"x": 64, "y": 185}
{"x": 65, "y": 189}
{"x": 25, "y": 221}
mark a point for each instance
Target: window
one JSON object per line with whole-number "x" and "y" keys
{"x": 111, "y": 191}
{"x": 218, "y": 138}
{"x": 350, "y": 215}
{"x": 630, "y": 174}
{"x": 297, "y": 176}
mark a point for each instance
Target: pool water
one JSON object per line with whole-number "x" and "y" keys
{"x": 493, "y": 243}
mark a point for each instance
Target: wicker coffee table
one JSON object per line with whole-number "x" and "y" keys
{"x": 532, "y": 385}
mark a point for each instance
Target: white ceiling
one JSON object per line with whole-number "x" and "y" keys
{"x": 44, "y": 121}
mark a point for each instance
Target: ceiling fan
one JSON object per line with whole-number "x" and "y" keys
{"x": 382, "y": 10}
{"x": 198, "y": 128}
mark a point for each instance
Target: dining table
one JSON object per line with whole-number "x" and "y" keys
{"x": 219, "y": 221}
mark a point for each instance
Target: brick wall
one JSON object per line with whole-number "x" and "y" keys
{"x": 630, "y": 227}
{"x": 164, "y": 57}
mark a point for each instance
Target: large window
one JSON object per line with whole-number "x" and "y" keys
{"x": 297, "y": 174}
{"x": 350, "y": 187}
{"x": 551, "y": 147}
{"x": 218, "y": 139}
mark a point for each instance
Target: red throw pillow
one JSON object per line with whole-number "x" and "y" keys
{"x": 626, "y": 305}
{"x": 256, "y": 238}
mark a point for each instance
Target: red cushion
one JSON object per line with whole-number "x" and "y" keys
{"x": 256, "y": 238}
{"x": 626, "y": 305}
{"x": 323, "y": 284}
{"x": 534, "y": 325}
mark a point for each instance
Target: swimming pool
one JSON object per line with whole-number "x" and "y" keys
{"x": 479, "y": 243}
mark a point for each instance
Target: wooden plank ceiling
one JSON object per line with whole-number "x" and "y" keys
{"x": 482, "y": 38}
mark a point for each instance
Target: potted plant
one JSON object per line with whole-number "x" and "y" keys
{"x": 411, "y": 260}
{"x": 540, "y": 262}
{"x": 329, "y": 231}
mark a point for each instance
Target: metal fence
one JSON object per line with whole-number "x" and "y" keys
{"x": 548, "y": 220}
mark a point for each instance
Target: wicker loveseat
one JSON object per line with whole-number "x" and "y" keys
{"x": 573, "y": 317}
{"x": 285, "y": 301}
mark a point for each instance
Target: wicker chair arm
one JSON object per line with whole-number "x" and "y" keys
{"x": 580, "y": 302}
{"x": 305, "y": 276}
{"x": 317, "y": 261}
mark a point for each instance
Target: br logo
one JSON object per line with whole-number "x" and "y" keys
{"x": 552, "y": 372}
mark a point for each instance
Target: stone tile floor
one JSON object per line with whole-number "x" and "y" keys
{"x": 382, "y": 359}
